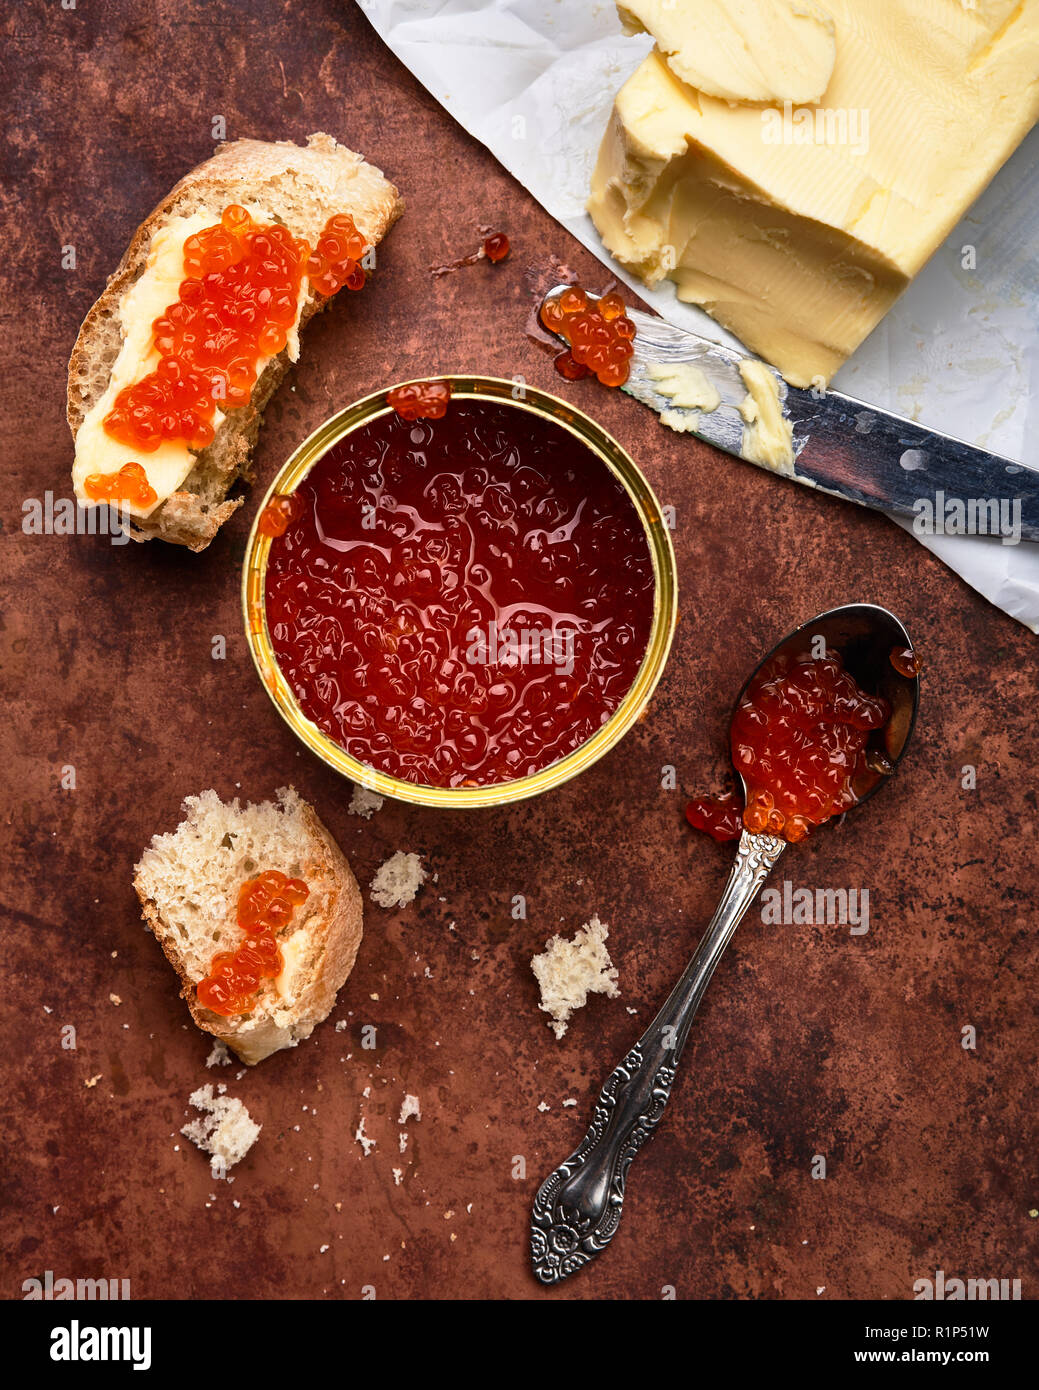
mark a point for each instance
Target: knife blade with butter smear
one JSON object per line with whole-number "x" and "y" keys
{"x": 826, "y": 440}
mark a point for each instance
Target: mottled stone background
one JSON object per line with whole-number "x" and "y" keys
{"x": 812, "y": 1041}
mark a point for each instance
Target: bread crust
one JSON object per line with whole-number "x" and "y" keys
{"x": 335, "y": 937}
{"x": 193, "y": 515}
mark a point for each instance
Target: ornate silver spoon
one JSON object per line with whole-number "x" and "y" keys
{"x": 578, "y": 1207}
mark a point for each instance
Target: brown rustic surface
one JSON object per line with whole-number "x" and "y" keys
{"x": 812, "y": 1041}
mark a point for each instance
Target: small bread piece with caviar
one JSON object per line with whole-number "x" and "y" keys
{"x": 189, "y": 882}
{"x": 179, "y": 488}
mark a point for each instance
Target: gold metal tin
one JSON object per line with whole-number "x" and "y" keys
{"x": 609, "y": 452}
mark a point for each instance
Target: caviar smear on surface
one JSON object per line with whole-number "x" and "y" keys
{"x": 601, "y": 336}
{"x": 464, "y": 600}
{"x": 266, "y": 904}
{"x": 496, "y": 247}
{"x": 799, "y": 740}
{"x": 235, "y": 309}
{"x": 420, "y": 400}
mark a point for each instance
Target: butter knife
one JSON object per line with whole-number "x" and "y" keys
{"x": 842, "y": 445}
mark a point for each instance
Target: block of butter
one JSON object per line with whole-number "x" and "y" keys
{"x": 791, "y": 164}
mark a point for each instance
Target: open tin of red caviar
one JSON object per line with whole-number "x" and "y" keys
{"x": 596, "y": 538}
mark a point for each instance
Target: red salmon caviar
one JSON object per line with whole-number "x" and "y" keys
{"x": 278, "y": 515}
{"x": 552, "y": 315}
{"x": 611, "y": 306}
{"x": 568, "y": 368}
{"x": 236, "y": 307}
{"x": 496, "y": 247}
{"x": 265, "y": 905}
{"x": 130, "y": 484}
{"x": 799, "y": 741}
{"x": 424, "y": 547}
{"x": 420, "y": 400}
{"x": 905, "y": 661}
{"x": 721, "y": 817}
{"x": 600, "y": 336}
{"x": 335, "y": 261}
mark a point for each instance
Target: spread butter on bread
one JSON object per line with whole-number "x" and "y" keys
{"x": 188, "y": 883}
{"x": 297, "y": 187}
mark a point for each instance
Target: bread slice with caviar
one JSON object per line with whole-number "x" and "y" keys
{"x": 189, "y": 882}
{"x": 178, "y": 491}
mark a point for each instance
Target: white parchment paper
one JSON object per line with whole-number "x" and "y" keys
{"x": 534, "y": 81}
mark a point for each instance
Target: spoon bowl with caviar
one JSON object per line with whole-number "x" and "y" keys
{"x": 816, "y": 730}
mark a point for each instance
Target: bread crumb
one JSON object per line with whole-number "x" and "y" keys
{"x": 218, "y": 1055}
{"x": 398, "y": 1176}
{"x": 93, "y": 1080}
{"x": 569, "y": 1101}
{"x": 543, "y": 1107}
{"x": 341, "y": 1025}
{"x": 398, "y": 880}
{"x": 402, "y": 1142}
{"x": 114, "y": 999}
{"x": 364, "y": 803}
{"x": 225, "y": 1130}
{"x": 365, "y": 1141}
{"x": 568, "y": 971}
{"x": 409, "y": 1106}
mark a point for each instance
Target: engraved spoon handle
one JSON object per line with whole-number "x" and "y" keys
{"x": 578, "y": 1207}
